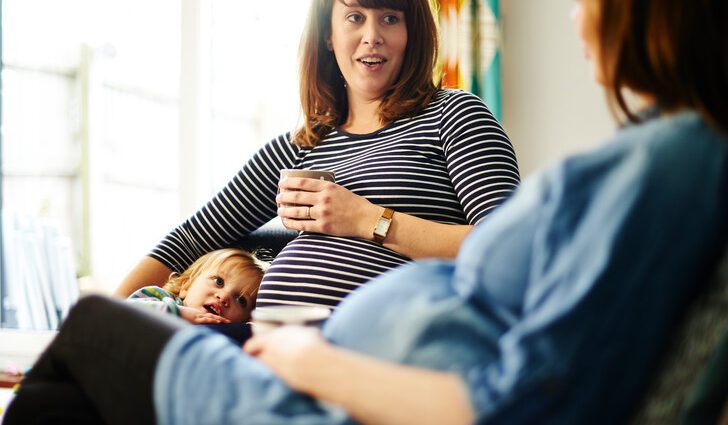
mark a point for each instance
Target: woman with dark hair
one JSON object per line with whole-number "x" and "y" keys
{"x": 428, "y": 163}
{"x": 554, "y": 312}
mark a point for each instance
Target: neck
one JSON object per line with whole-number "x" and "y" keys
{"x": 645, "y": 100}
{"x": 363, "y": 116}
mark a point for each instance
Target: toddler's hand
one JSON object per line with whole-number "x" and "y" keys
{"x": 200, "y": 316}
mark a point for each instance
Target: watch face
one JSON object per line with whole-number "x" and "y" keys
{"x": 382, "y": 226}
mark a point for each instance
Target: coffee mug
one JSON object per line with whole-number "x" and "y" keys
{"x": 265, "y": 319}
{"x": 309, "y": 174}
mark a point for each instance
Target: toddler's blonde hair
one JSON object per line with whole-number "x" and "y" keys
{"x": 233, "y": 258}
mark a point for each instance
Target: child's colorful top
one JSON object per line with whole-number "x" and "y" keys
{"x": 158, "y": 299}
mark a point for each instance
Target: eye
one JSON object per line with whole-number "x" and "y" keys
{"x": 242, "y": 301}
{"x": 355, "y": 18}
{"x": 391, "y": 19}
{"x": 218, "y": 281}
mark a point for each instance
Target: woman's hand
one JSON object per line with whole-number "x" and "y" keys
{"x": 325, "y": 207}
{"x": 371, "y": 390}
{"x": 290, "y": 351}
{"x": 196, "y": 316}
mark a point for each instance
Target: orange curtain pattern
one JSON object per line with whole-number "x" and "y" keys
{"x": 470, "y": 48}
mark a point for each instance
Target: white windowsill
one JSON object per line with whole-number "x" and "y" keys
{"x": 19, "y": 349}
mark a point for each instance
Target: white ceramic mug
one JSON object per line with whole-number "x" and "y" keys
{"x": 309, "y": 174}
{"x": 266, "y": 319}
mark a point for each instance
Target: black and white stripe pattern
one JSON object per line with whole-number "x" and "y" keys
{"x": 451, "y": 164}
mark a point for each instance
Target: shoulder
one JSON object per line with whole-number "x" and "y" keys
{"x": 450, "y": 97}
{"x": 454, "y": 103}
{"x": 282, "y": 143}
{"x": 679, "y": 152}
{"x": 445, "y": 101}
{"x": 284, "y": 139}
{"x": 460, "y": 111}
{"x": 683, "y": 141}
{"x": 280, "y": 151}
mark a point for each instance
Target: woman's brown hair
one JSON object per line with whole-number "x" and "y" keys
{"x": 323, "y": 95}
{"x": 673, "y": 50}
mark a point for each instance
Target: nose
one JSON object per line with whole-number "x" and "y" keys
{"x": 574, "y": 12}
{"x": 224, "y": 298}
{"x": 372, "y": 36}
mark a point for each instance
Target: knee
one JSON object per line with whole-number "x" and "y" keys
{"x": 89, "y": 307}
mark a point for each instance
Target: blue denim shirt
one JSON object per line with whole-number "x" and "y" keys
{"x": 554, "y": 311}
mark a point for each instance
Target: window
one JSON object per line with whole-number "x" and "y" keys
{"x": 120, "y": 118}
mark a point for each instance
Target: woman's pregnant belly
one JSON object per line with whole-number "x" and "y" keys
{"x": 317, "y": 269}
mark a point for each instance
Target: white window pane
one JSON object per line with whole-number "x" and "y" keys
{"x": 121, "y": 102}
{"x": 254, "y": 77}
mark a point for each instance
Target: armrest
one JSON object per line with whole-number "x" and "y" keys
{"x": 695, "y": 339}
{"x": 269, "y": 240}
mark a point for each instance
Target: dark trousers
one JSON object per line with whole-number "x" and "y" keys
{"x": 99, "y": 368}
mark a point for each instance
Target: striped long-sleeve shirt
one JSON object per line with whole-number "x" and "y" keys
{"x": 450, "y": 164}
{"x": 157, "y": 298}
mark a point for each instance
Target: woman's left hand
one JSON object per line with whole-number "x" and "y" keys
{"x": 290, "y": 351}
{"x": 324, "y": 207}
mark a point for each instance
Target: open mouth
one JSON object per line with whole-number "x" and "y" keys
{"x": 212, "y": 308}
{"x": 372, "y": 61}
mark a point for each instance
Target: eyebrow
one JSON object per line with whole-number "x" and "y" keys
{"x": 355, "y": 3}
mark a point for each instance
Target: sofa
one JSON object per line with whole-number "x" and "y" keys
{"x": 691, "y": 383}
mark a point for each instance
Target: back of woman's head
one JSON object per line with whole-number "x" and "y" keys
{"x": 323, "y": 95}
{"x": 675, "y": 51}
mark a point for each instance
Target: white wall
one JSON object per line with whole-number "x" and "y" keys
{"x": 551, "y": 107}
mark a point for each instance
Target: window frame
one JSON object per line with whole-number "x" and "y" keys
{"x": 2, "y": 195}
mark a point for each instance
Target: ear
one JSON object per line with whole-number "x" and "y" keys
{"x": 329, "y": 45}
{"x": 183, "y": 293}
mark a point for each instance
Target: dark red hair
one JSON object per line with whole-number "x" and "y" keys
{"x": 673, "y": 50}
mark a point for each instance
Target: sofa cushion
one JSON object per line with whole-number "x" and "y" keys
{"x": 694, "y": 342}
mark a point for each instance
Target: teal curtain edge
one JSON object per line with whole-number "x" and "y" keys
{"x": 492, "y": 88}
{"x": 492, "y": 94}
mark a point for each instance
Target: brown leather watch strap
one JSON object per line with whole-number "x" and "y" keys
{"x": 382, "y": 226}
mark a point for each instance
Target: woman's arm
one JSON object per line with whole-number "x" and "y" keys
{"x": 371, "y": 390}
{"x": 149, "y": 271}
{"x": 419, "y": 238}
{"x": 242, "y": 206}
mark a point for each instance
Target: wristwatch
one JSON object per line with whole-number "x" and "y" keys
{"x": 382, "y": 226}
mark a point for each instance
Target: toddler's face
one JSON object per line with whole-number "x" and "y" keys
{"x": 218, "y": 291}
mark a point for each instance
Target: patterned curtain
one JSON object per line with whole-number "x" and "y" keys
{"x": 470, "y": 32}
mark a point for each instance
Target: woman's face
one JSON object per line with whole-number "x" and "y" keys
{"x": 584, "y": 16}
{"x": 369, "y": 45}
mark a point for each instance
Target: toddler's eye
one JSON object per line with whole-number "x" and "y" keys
{"x": 243, "y": 302}
{"x": 218, "y": 281}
